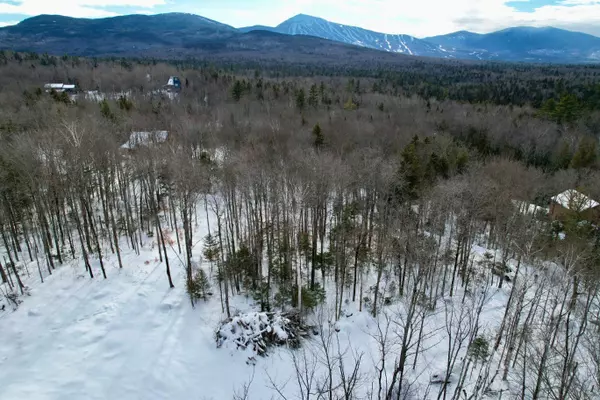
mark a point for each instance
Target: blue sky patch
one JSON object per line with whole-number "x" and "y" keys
{"x": 531, "y": 5}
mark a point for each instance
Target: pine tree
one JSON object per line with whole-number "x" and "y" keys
{"x": 319, "y": 139}
{"x": 568, "y": 109}
{"x": 125, "y": 103}
{"x": 479, "y": 349}
{"x": 350, "y": 105}
{"x": 211, "y": 248}
{"x": 313, "y": 96}
{"x": 300, "y": 99}
{"x": 322, "y": 92}
{"x": 199, "y": 286}
{"x": 105, "y": 110}
{"x": 586, "y": 154}
{"x": 412, "y": 168}
{"x": 563, "y": 156}
{"x": 237, "y": 90}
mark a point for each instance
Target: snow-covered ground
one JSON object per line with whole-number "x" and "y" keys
{"x": 131, "y": 337}
{"x": 127, "y": 337}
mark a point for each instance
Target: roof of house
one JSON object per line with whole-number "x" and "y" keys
{"x": 174, "y": 81}
{"x": 575, "y": 201}
{"x": 60, "y": 86}
{"x": 137, "y": 139}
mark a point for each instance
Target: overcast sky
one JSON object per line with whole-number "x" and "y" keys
{"x": 414, "y": 17}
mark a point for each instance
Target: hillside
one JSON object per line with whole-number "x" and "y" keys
{"x": 336, "y": 235}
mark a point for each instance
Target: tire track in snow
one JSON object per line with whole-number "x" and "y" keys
{"x": 40, "y": 349}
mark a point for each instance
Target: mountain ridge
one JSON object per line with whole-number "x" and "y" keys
{"x": 190, "y": 35}
{"x": 175, "y": 36}
{"x": 533, "y": 44}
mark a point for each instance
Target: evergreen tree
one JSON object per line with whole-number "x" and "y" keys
{"x": 350, "y": 105}
{"x": 586, "y": 154}
{"x": 313, "y": 96}
{"x": 350, "y": 85}
{"x": 568, "y": 109}
{"x": 563, "y": 156}
{"x": 211, "y": 248}
{"x": 322, "y": 92}
{"x": 199, "y": 286}
{"x": 300, "y": 99}
{"x": 319, "y": 139}
{"x": 105, "y": 110}
{"x": 125, "y": 103}
{"x": 479, "y": 350}
{"x": 412, "y": 168}
{"x": 237, "y": 90}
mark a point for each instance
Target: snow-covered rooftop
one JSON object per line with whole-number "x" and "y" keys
{"x": 137, "y": 139}
{"x": 575, "y": 201}
{"x": 59, "y": 86}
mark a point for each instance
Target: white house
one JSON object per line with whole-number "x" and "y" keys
{"x": 60, "y": 87}
{"x": 145, "y": 139}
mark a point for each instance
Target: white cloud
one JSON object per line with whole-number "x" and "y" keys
{"x": 419, "y": 18}
{"x": 579, "y": 2}
{"x": 8, "y": 23}
{"x": 423, "y": 17}
{"x": 73, "y": 8}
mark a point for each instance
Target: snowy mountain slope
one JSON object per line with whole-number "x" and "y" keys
{"x": 319, "y": 27}
{"x": 513, "y": 44}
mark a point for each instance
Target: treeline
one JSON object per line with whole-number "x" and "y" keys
{"x": 466, "y": 81}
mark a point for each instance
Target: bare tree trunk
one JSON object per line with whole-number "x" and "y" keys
{"x": 162, "y": 241}
{"x": 85, "y": 207}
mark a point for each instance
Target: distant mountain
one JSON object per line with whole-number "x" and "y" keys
{"x": 513, "y": 44}
{"x": 177, "y": 35}
{"x": 312, "y": 26}
{"x": 257, "y": 28}
{"x": 454, "y": 40}
{"x": 126, "y": 34}
{"x": 524, "y": 44}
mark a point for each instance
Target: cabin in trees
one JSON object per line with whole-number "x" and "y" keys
{"x": 145, "y": 139}
{"x": 173, "y": 84}
{"x": 60, "y": 87}
{"x": 572, "y": 203}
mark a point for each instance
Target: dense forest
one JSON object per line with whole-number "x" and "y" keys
{"x": 328, "y": 185}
